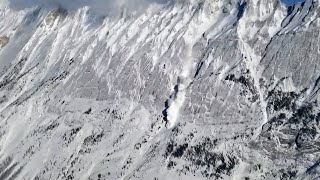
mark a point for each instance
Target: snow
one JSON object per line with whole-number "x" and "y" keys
{"x": 97, "y": 6}
{"x": 126, "y": 89}
{"x": 182, "y": 85}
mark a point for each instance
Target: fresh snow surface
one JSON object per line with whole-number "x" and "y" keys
{"x": 158, "y": 89}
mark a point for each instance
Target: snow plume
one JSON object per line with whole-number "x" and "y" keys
{"x": 98, "y": 6}
{"x": 179, "y": 95}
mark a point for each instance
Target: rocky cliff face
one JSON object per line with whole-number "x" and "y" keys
{"x": 188, "y": 89}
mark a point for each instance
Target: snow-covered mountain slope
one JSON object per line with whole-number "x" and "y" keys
{"x": 201, "y": 89}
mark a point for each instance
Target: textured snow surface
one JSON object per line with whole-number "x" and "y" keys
{"x": 199, "y": 89}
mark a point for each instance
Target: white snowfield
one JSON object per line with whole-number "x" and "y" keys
{"x": 157, "y": 89}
